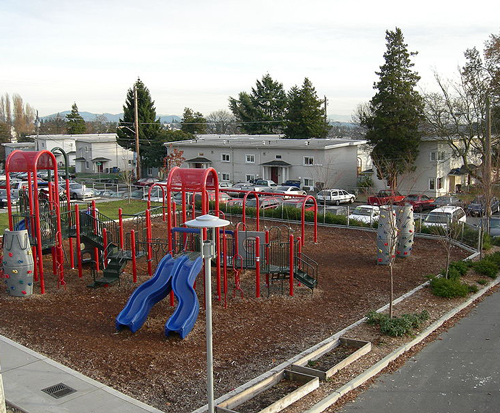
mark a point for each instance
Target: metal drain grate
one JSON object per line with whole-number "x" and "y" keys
{"x": 58, "y": 390}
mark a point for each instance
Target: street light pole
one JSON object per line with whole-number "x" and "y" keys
{"x": 208, "y": 252}
{"x": 136, "y": 127}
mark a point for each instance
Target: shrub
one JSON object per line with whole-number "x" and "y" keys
{"x": 453, "y": 273}
{"x": 397, "y": 326}
{"x": 486, "y": 267}
{"x": 448, "y": 288}
{"x": 495, "y": 257}
{"x": 461, "y": 266}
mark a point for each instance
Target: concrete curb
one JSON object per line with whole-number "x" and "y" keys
{"x": 378, "y": 367}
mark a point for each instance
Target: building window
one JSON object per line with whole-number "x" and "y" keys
{"x": 87, "y": 166}
{"x": 249, "y": 158}
{"x": 437, "y": 156}
{"x": 225, "y": 177}
{"x": 432, "y": 183}
{"x": 202, "y": 154}
{"x": 308, "y": 161}
{"x": 249, "y": 177}
{"x": 150, "y": 171}
{"x": 225, "y": 157}
{"x": 278, "y": 156}
{"x": 309, "y": 182}
{"x": 439, "y": 183}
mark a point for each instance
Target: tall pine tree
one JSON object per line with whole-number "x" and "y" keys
{"x": 149, "y": 127}
{"x": 262, "y": 111}
{"x": 396, "y": 112}
{"x": 305, "y": 115}
{"x": 75, "y": 125}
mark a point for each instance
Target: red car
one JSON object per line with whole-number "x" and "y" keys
{"x": 385, "y": 197}
{"x": 419, "y": 202}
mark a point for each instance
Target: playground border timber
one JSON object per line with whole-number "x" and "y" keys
{"x": 372, "y": 371}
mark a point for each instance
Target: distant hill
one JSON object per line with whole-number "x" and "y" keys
{"x": 89, "y": 117}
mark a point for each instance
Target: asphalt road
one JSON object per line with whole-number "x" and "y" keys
{"x": 459, "y": 372}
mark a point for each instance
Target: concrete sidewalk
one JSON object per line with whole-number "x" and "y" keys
{"x": 457, "y": 373}
{"x": 26, "y": 374}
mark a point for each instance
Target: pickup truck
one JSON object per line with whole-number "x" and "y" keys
{"x": 385, "y": 197}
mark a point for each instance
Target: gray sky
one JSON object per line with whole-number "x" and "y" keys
{"x": 197, "y": 53}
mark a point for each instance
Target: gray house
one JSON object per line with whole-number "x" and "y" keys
{"x": 317, "y": 163}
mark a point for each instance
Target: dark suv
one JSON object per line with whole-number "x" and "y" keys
{"x": 477, "y": 206}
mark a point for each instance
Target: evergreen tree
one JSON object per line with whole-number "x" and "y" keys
{"x": 193, "y": 122}
{"x": 305, "y": 115}
{"x": 75, "y": 125}
{"x": 263, "y": 110}
{"x": 396, "y": 111}
{"x": 149, "y": 126}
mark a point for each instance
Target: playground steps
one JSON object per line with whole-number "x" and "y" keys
{"x": 116, "y": 263}
{"x": 305, "y": 278}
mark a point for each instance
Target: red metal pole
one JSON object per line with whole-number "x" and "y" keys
{"x": 78, "y": 241}
{"x": 134, "y": 260}
{"x": 120, "y": 227}
{"x": 149, "y": 235}
{"x": 105, "y": 242}
{"x": 291, "y": 264}
{"x": 96, "y": 250}
{"x": 257, "y": 267}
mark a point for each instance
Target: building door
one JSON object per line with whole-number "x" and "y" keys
{"x": 274, "y": 174}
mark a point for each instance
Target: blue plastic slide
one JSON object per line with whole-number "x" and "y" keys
{"x": 186, "y": 313}
{"x": 149, "y": 293}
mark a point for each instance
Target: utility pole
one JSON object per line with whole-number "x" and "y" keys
{"x": 136, "y": 127}
{"x": 487, "y": 167}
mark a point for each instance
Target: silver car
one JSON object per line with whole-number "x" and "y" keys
{"x": 335, "y": 196}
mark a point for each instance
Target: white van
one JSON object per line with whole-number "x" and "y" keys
{"x": 441, "y": 217}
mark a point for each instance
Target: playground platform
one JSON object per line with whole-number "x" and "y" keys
{"x": 34, "y": 383}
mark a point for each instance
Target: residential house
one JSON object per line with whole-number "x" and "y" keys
{"x": 102, "y": 154}
{"x": 317, "y": 163}
{"x": 437, "y": 171}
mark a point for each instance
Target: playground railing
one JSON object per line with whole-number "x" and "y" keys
{"x": 306, "y": 265}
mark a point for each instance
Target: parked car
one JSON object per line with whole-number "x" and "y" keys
{"x": 264, "y": 202}
{"x": 14, "y": 199}
{"x": 334, "y": 196}
{"x": 446, "y": 200}
{"x": 240, "y": 186}
{"x": 79, "y": 191}
{"x": 365, "y": 213}
{"x": 419, "y": 202}
{"x": 265, "y": 182}
{"x": 268, "y": 202}
{"x": 442, "y": 217}
{"x": 146, "y": 181}
{"x": 385, "y": 197}
{"x": 495, "y": 227}
{"x": 289, "y": 190}
{"x": 477, "y": 207}
{"x": 292, "y": 182}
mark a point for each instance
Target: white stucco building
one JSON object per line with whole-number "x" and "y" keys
{"x": 240, "y": 158}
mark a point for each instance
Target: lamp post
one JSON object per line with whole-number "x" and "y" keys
{"x": 208, "y": 252}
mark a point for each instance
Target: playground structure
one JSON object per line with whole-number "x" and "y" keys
{"x": 105, "y": 244}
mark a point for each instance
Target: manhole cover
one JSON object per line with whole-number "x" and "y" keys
{"x": 58, "y": 390}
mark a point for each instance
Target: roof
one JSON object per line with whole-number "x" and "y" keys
{"x": 276, "y": 163}
{"x": 199, "y": 159}
{"x": 265, "y": 141}
{"x": 101, "y": 159}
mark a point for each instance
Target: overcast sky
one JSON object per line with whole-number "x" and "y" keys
{"x": 195, "y": 53}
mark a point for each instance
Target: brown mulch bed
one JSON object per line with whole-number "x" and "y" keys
{"x": 76, "y": 325}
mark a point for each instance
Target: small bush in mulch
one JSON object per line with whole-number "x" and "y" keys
{"x": 397, "y": 326}
{"x": 487, "y": 267}
{"x": 449, "y": 287}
